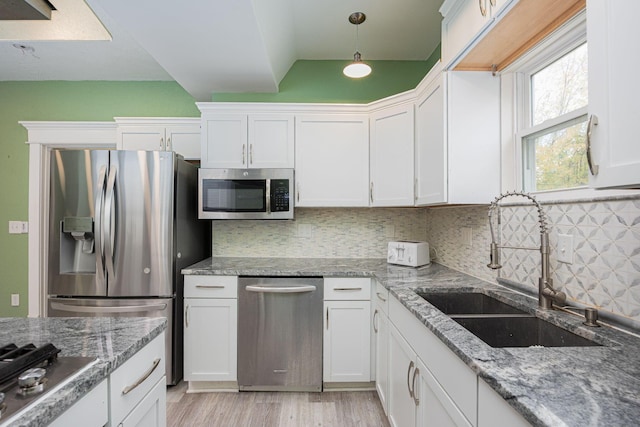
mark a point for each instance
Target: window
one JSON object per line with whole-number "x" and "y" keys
{"x": 553, "y": 137}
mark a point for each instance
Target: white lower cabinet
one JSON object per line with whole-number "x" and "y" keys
{"x": 494, "y": 411}
{"x": 428, "y": 384}
{"x": 92, "y": 409}
{"x": 210, "y": 329}
{"x": 347, "y": 331}
{"x": 381, "y": 344}
{"x": 137, "y": 389}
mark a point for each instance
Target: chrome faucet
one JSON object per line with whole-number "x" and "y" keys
{"x": 546, "y": 294}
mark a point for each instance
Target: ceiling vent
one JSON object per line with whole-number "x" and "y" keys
{"x": 25, "y": 10}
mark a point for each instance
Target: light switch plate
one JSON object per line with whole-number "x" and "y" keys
{"x": 565, "y": 248}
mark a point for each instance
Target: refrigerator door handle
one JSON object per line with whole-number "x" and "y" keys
{"x": 98, "y": 228}
{"x": 112, "y": 309}
{"x": 108, "y": 222}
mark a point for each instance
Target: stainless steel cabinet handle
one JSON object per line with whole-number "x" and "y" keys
{"x": 375, "y": 327}
{"x": 243, "y": 148}
{"x": 210, "y": 286}
{"x": 493, "y": 2}
{"x": 347, "y": 289}
{"x": 379, "y": 295}
{"x": 281, "y": 290}
{"x": 593, "y": 121}
{"x": 144, "y": 376}
{"x": 411, "y": 365}
{"x": 371, "y": 191}
{"x": 186, "y": 315}
{"x": 168, "y": 144}
{"x": 416, "y": 400}
{"x": 483, "y": 7}
{"x": 298, "y": 192}
{"x": 251, "y": 154}
{"x": 327, "y": 318}
{"x": 162, "y": 143}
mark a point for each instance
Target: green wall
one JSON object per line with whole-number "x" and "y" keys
{"x": 90, "y": 101}
{"x": 306, "y": 81}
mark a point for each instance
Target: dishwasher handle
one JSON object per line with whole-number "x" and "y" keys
{"x": 280, "y": 289}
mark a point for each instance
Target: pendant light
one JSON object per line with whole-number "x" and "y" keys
{"x": 357, "y": 68}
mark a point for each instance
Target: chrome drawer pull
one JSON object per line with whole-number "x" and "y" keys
{"x": 210, "y": 286}
{"x": 347, "y": 289}
{"x": 146, "y": 375}
{"x": 380, "y": 296}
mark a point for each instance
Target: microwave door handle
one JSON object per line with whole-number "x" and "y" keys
{"x": 268, "y": 196}
{"x": 108, "y": 222}
{"x": 99, "y": 241}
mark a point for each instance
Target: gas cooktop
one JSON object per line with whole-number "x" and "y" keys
{"x": 28, "y": 373}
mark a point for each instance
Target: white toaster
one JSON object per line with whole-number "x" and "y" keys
{"x": 411, "y": 254}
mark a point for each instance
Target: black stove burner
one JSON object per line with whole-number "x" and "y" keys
{"x": 14, "y": 360}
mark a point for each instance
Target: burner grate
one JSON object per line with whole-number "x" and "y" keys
{"x": 14, "y": 360}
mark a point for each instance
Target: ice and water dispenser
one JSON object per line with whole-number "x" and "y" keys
{"x": 77, "y": 245}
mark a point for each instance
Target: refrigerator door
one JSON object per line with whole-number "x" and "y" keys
{"x": 159, "y": 307}
{"x": 77, "y": 185}
{"x": 138, "y": 224}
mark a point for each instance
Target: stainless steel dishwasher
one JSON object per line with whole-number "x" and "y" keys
{"x": 280, "y": 333}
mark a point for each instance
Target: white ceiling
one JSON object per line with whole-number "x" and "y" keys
{"x": 210, "y": 45}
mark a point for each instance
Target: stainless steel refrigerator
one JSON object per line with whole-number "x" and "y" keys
{"x": 122, "y": 226}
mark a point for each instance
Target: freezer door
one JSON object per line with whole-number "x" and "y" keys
{"x": 76, "y": 193}
{"x": 160, "y": 307}
{"x": 138, "y": 224}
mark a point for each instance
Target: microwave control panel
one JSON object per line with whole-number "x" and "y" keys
{"x": 279, "y": 195}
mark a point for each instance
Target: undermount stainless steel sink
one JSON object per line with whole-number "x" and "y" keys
{"x": 453, "y": 303}
{"x": 499, "y": 324}
{"x": 510, "y": 331}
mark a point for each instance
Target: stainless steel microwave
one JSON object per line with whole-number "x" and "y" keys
{"x": 245, "y": 194}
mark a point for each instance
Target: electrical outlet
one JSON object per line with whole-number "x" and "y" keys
{"x": 565, "y": 248}
{"x": 15, "y": 300}
{"x": 467, "y": 236}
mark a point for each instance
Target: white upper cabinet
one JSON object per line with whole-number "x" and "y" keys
{"x": 232, "y": 138}
{"x": 463, "y": 22}
{"x": 457, "y": 138}
{"x": 161, "y": 134}
{"x": 613, "y": 91}
{"x": 332, "y": 160}
{"x": 391, "y": 157}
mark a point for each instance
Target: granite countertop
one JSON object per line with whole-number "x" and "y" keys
{"x": 549, "y": 386}
{"x": 112, "y": 341}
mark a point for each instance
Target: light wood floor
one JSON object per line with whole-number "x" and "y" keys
{"x": 271, "y": 409}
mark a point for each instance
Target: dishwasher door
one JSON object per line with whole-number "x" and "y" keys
{"x": 280, "y": 333}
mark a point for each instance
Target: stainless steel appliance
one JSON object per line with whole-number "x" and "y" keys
{"x": 28, "y": 372}
{"x": 280, "y": 333}
{"x": 245, "y": 194}
{"x": 122, "y": 225}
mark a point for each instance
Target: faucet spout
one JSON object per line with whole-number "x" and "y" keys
{"x": 546, "y": 294}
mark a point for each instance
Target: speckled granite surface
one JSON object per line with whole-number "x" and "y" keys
{"x": 551, "y": 386}
{"x": 111, "y": 340}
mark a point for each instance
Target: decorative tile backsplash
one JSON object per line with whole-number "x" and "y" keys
{"x": 605, "y": 272}
{"x": 321, "y": 233}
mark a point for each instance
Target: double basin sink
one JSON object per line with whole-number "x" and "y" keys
{"x": 499, "y": 324}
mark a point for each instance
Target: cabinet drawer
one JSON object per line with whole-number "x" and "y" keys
{"x": 381, "y": 297}
{"x": 131, "y": 382}
{"x": 347, "y": 289}
{"x": 196, "y": 286}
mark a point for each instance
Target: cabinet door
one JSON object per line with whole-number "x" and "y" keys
{"x": 402, "y": 407}
{"x": 473, "y": 136}
{"x": 152, "y": 409}
{"x": 381, "y": 329}
{"x": 391, "y": 158}
{"x": 184, "y": 140}
{"x": 613, "y": 92}
{"x": 431, "y": 153}
{"x": 494, "y": 411}
{"x": 332, "y": 161}
{"x": 347, "y": 345}
{"x": 210, "y": 339}
{"x": 435, "y": 407}
{"x": 224, "y": 141}
{"x": 148, "y": 138}
{"x": 271, "y": 141}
